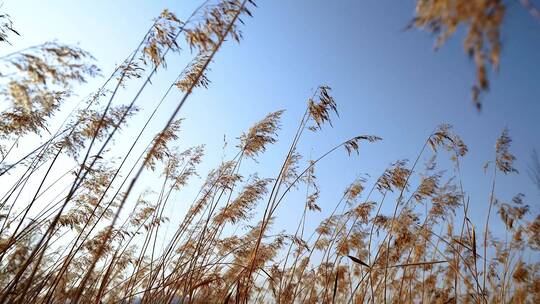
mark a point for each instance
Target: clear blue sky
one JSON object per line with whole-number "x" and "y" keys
{"x": 386, "y": 81}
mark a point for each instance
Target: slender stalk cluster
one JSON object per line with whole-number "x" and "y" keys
{"x": 88, "y": 233}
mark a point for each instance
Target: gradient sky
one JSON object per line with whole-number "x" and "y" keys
{"x": 386, "y": 81}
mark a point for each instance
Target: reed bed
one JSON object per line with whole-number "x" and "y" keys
{"x": 97, "y": 239}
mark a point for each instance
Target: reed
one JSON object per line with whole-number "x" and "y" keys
{"x": 87, "y": 235}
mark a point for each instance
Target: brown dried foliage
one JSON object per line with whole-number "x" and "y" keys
{"x": 80, "y": 248}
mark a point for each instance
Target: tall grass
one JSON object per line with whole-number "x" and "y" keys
{"x": 84, "y": 235}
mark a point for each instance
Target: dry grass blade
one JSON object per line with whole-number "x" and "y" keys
{"x": 358, "y": 261}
